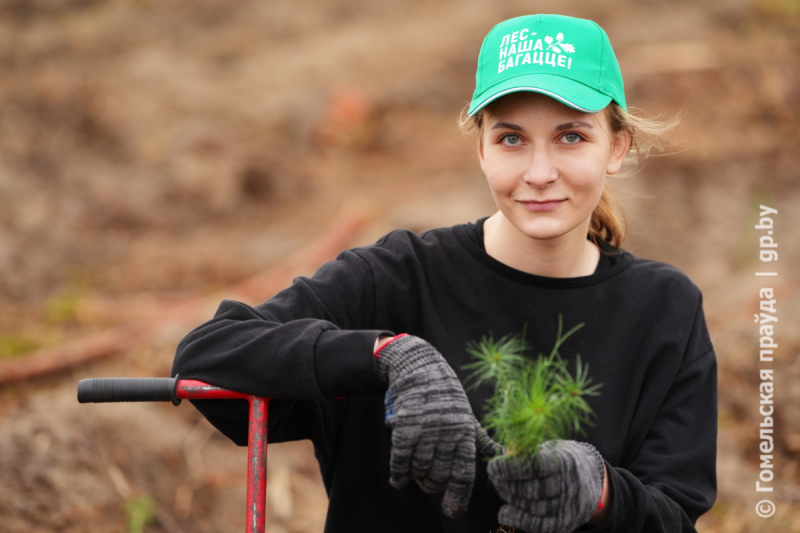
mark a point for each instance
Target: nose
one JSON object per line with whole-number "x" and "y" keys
{"x": 541, "y": 172}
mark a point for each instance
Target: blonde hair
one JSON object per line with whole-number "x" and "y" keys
{"x": 608, "y": 220}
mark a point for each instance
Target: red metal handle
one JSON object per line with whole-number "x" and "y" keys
{"x": 190, "y": 389}
{"x": 257, "y": 464}
{"x": 101, "y": 390}
{"x": 176, "y": 389}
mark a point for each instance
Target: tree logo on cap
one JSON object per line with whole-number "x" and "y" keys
{"x": 559, "y": 45}
{"x": 524, "y": 48}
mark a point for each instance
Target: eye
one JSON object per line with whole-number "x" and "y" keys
{"x": 571, "y": 137}
{"x": 511, "y": 139}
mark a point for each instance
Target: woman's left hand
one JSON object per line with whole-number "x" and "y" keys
{"x": 555, "y": 491}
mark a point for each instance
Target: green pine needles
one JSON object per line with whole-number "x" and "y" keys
{"x": 534, "y": 400}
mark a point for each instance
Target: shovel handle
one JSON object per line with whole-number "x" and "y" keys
{"x": 103, "y": 390}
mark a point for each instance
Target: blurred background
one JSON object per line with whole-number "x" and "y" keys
{"x": 158, "y": 155}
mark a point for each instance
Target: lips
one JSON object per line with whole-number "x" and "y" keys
{"x": 540, "y": 205}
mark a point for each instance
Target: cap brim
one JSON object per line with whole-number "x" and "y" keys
{"x": 565, "y": 90}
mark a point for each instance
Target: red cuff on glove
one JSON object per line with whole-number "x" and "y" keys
{"x": 387, "y": 343}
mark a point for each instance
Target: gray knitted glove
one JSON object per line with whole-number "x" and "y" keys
{"x": 555, "y": 492}
{"x": 486, "y": 447}
{"x": 434, "y": 431}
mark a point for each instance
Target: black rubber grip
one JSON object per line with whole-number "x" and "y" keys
{"x": 103, "y": 390}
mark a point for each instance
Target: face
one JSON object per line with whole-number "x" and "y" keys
{"x": 546, "y": 163}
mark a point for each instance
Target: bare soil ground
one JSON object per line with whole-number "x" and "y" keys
{"x": 154, "y": 151}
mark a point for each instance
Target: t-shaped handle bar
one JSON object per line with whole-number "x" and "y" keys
{"x": 99, "y": 390}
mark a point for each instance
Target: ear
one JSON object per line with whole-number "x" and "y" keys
{"x": 618, "y": 151}
{"x": 479, "y": 149}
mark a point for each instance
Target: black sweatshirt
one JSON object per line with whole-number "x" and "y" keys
{"x": 644, "y": 339}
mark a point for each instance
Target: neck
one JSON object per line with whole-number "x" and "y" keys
{"x": 568, "y": 256}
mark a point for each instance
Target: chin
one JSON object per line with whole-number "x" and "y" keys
{"x": 547, "y": 225}
{"x": 541, "y": 229}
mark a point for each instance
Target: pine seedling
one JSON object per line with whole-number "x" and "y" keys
{"x": 495, "y": 362}
{"x": 534, "y": 401}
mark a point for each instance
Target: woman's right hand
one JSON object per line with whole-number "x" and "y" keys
{"x": 433, "y": 428}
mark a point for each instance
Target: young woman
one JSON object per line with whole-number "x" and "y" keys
{"x": 395, "y": 317}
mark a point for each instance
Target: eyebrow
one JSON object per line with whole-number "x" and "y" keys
{"x": 565, "y": 126}
{"x": 574, "y": 124}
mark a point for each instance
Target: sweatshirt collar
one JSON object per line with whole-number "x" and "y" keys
{"x": 619, "y": 258}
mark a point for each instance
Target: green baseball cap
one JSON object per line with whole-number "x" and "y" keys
{"x": 566, "y": 58}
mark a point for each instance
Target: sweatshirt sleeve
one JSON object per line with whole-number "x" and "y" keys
{"x": 672, "y": 480}
{"x": 312, "y": 341}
